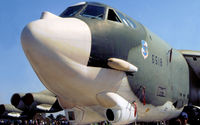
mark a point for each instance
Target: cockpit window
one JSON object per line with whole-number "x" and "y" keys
{"x": 126, "y": 20}
{"x": 71, "y": 11}
{"x": 92, "y": 11}
{"x": 131, "y": 23}
{"x": 122, "y": 18}
{"x": 113, "y": 16}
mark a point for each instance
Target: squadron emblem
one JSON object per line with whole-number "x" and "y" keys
{"x": 144, "y": 49}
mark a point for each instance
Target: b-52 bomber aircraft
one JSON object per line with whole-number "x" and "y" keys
{"x": 104, "y": 65}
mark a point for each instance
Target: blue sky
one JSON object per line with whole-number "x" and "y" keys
{"x": 175, "y": 21}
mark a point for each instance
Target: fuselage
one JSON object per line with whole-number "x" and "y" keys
{"x": 70, "y": 53}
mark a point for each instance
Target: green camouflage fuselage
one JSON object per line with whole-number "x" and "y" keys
{"x": 162, "y": 76}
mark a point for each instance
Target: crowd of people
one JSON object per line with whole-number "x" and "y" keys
{"x": 32, "y": 122}
{"x": 38, "y": 122}
{"x": 61, "y": 120}
{"x": 50, "y": 120}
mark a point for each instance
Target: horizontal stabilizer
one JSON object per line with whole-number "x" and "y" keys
{"x": 193, "y": 59}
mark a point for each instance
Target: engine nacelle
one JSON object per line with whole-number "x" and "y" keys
{"x": 44, "y": 101}
{"x": 120, "y": 111}
{"x": 9, "y": 111}
{"x": 41, "y": 102}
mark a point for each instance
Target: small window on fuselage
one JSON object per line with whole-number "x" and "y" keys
{"x": 113, "y": 16}
{"x": 94, "y": 12}
{"x": 71, "y": 11}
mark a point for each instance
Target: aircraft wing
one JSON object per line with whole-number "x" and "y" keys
{"x": 193, "y": 60}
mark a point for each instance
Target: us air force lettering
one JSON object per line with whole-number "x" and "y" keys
{"x": 103, "y": 65}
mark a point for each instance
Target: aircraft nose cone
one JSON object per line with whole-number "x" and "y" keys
{"x": 70, "y": 37}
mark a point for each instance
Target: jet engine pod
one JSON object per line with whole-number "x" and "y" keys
{"x": 41, "y": 102}
{"x": 9, "y": 111}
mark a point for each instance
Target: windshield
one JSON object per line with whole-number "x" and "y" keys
{"x": 71, "y": 11}
{"x": 92, "y": 11}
